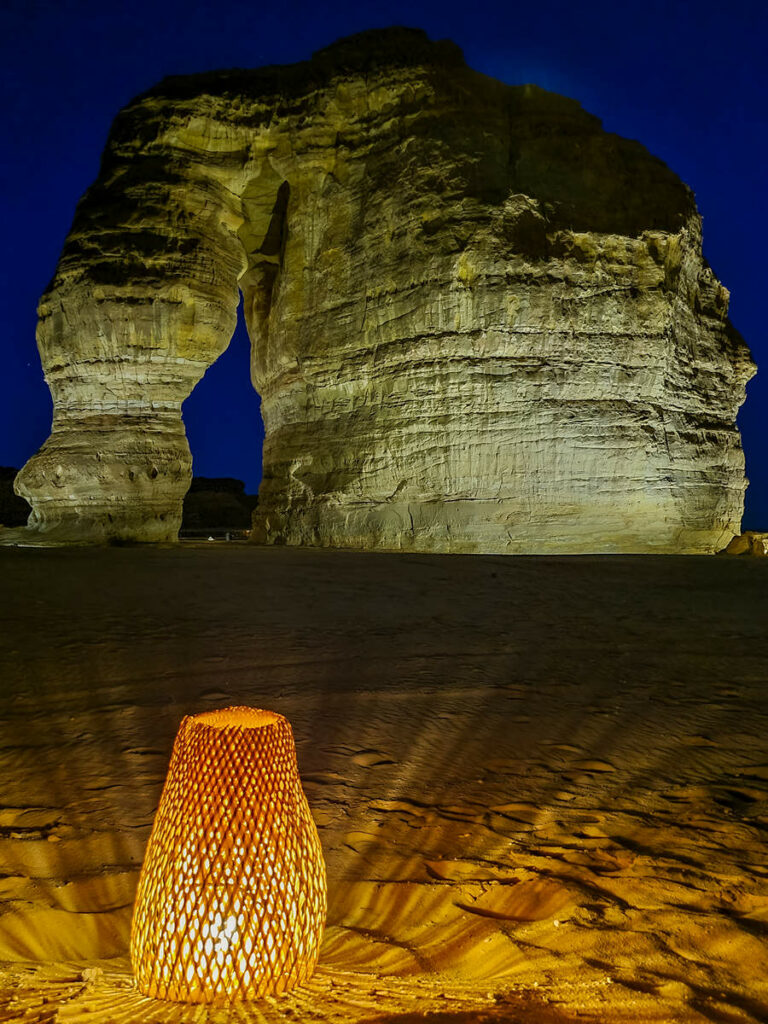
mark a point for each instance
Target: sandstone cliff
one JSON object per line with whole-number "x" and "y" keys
{"x": 479, "y": 322}
{"x": 13, "y": 510}
{"x": 217, "y": 505}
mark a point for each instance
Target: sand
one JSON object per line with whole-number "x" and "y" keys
{"x": 541, "y": 784}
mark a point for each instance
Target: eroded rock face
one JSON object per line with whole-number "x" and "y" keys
{"x": 13, "y": 511}
{"x": 750, "y": 543}
{"x": 479, "y": 322}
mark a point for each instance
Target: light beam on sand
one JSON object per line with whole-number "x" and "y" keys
{"x": 231, "y": 901}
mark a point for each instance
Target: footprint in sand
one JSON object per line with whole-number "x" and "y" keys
{"x": 28, "y": 817}
{"x": 403, "y": 805}
{"x": 743, "y": 801}
{"x": 324, "y": 779}
{"x": 534, "y": 900}
{"x": 215, "y": 696}
{"x": 361, "y": 841}
{"x": 371, "y": 759}
{"x": 697, "y": 740}
{"x": 467, "y": 871}
{"x": 594, "y": 765}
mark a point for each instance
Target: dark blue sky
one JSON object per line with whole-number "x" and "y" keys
{"x": 688, "y": 80}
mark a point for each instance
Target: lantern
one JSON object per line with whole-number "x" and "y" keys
{"x": 232, "y": 895}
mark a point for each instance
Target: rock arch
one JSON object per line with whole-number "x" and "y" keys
{"x": 479, "y": 322}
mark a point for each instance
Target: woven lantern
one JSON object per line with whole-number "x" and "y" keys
{"x": 232, "y": 897}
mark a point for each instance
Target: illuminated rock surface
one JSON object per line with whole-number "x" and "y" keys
{"x": 479, "y": 322}
{"x": 749, "y": 543}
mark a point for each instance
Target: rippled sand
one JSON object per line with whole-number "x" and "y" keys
{"x": 541, "y": 783}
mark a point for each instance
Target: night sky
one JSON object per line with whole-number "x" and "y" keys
{"x": 688, "y": 80}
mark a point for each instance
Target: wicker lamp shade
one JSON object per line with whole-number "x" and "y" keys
{"x": 232, "y": 895}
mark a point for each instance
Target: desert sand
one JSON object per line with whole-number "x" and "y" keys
{"x": 541, "y": 783}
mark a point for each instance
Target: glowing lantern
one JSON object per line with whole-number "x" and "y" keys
{"x": 232, "y": 898}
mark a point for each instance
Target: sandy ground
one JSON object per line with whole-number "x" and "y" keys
{"x": 541, "y": 783}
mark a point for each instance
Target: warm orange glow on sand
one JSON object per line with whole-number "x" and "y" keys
{"x": 231, "y": 901}
{"x": 541, "y": 784}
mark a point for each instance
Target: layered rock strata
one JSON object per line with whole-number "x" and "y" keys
{"x": 479, "y": 322}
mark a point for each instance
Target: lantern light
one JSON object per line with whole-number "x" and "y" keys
{"x": 231, "y": 900}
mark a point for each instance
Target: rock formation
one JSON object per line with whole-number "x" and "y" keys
{"x": 479, "y": 322}
{"x": 217, "y": 505}
{"x": 14, "y": 511}
{"x": 751, "y": 543}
